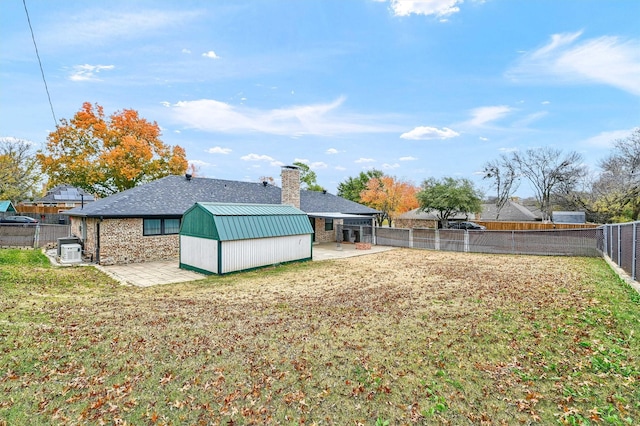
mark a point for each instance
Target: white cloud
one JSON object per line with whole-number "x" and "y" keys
{"x": 316, "y": 165}
{"x": 365, "y": 160}
{"x": 606, "y": 139}
{"x": 388, "y": 166}
{"x": 565, "y": 59}
{"x": 425, "y": 133}
{"x": 331, "y": 151}
{"x": 483, "y": 115}
{"x": 98, "y": 26}
{"x": 483, "y": 139}
{"x": 341, "y": 168}
{"x": 199, "y": 163}
{"x": 506, "y": 150}
{"x": 219, "y": 150}
{"x": 256, "y": 157}
{"x": 407, "y": 159}
{"x": 315, "y": 119}
{"x": 87, "y": 72}
{"x": 165, "y": 104}
{"x": 438, "y": 8}
{"x": 211, "y": 54}
{"x": 523, "y": 122}
{"x": 545, "y": 102}
{"x": 186, "y": 51}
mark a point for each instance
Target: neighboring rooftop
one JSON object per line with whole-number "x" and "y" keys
{"x": 173, "y": 195}
{"x": 66, "y": 193}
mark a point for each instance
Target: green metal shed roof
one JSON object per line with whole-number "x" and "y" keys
{"x": 228, "y": 222}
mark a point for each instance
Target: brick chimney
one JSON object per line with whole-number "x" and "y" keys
{"x": 291, "y": 185}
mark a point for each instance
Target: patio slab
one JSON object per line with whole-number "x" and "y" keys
{"x": 168, "y": 272}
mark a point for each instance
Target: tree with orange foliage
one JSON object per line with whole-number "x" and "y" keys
{"x": 105, "y": 155}
{"x": 390, "y": 196}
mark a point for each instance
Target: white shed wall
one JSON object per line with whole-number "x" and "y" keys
{"x": 246, "y": 254}
{"x": 199, "y": 253}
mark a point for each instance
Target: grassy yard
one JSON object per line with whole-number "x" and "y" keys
{"x": 401, "y": 337}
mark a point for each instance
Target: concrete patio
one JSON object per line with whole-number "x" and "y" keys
{"x": 167, "y": 272}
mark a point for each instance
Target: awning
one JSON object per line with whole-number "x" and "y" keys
{"x": 331, "y": 215}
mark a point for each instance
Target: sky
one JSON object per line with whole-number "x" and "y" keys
{"x": 415, "y": 88}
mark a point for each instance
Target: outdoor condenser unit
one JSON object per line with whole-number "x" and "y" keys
{"x": 70, "y": 253}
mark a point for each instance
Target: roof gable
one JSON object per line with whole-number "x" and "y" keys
{"x": 6, "y": 206}
{"x": 229, "y": 222}
{"x": 66, "y": 193}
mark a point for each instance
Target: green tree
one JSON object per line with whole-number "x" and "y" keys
{"x": 448, "y": 197}
{"x": 104, "y": 155}
{"x": 353, "y": 186}
{"x": 308, "y": 177}
{"x": 19, "y": 174}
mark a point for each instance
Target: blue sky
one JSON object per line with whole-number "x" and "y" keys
{"x": 416, "y": 89}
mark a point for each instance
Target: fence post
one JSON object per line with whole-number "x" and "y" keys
{"x": 466, "y": 240}
{"x": 410, "y": 237}
{"x": 36, "y": 237}
{"x": 619, "y": 245}
{"x": 436, "y": 242}
{"x": 634, "y": 254}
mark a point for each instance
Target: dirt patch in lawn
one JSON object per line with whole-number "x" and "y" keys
{"x": 406, "y": 336}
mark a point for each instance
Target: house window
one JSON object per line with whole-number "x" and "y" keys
{"x": 328, "y": 224}
{"x": 160, "y": 226}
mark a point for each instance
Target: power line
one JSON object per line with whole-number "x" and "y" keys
{"x": 55, "y": 120}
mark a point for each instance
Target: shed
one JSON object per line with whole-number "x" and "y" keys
{"x": 568, "y": 217}
{"x": 6, "y": 206}
{"x": 218, "y": 238}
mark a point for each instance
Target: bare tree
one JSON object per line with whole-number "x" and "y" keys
{"x": 504, "y": 174}
{"x": 19, "y": 174}
{"x": 619, "y": 182}
{"x": 547, "y": 171}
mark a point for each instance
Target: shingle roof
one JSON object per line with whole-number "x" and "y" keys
{"x": 62, "y": 193}
{"x": 512, "y": 211}
{"x": 173, "y": 195}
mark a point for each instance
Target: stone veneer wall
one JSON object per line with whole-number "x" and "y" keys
{"x": 121, "y": 241}
{"x": 323, "y": 236}
{"x": 290, "y": 186}
{"x": 415, "y": 223}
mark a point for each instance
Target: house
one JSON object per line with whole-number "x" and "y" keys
{"x": 6, "y": 206}
{"x": 511, "y": 212}
{"x": 218, "y": 238}
{"x": 142, "y": 224}
{"x": 57, "y": 200}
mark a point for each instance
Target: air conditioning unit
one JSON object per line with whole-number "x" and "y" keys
{"x": 70, "y": 253}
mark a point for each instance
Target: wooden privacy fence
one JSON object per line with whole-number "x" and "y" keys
{"x": 532, "y": 226}
{"x": 17, "y": 235}
{"x": 568, "y": 242}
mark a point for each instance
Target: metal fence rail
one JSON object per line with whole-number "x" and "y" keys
{"x": 17, "y": 235}
{"x": 573, "y": 242}
{"x": 622, "y": 245}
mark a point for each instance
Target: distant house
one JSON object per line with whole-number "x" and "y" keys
{"x": 58, "y": 199}
{"x": 6, "y": 206}
{"x": 511, "y": 212}
{"x": 142, "y": 224}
